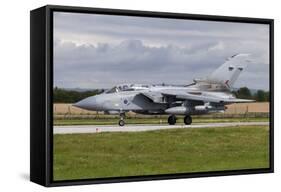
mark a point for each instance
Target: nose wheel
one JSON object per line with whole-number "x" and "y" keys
{"x": 172, "y": 119}
{"x": 122, "y": 121}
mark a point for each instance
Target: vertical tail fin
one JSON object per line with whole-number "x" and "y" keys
{"x": 228, "y": 72}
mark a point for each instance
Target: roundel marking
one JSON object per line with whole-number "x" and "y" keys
{"x": 126, "y": 101}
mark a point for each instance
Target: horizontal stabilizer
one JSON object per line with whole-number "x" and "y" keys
{"x": 239, "y": 101}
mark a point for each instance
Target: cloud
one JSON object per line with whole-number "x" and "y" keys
{"x": 94, "y": 28}
{"x": 99, "y": 51}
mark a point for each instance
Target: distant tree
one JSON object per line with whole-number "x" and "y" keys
{"x": 244, "y": 93}
{"x": 235, "y": 93}
{"x": 267, "y": 96}
{"x": 260, "y": 95}
{"x": 70, "y": 96}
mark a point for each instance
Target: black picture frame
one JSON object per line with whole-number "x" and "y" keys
{"x": 41, "y": 83}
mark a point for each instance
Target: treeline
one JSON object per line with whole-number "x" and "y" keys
{"x": 245, "y": 93}
{"x": 71, "y": 96}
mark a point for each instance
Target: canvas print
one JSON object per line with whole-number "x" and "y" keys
{"x": 138, "y": 96}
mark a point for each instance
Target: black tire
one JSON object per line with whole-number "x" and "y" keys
{"x": 121, "y": 123}
{"x": 187, "y": 120}
{"x": 172, "y": 120}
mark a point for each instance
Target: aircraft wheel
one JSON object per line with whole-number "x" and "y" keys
{"x": 187, "y": 120}
{"x": 121, "y": 122}
{"x": 172, "y": 120}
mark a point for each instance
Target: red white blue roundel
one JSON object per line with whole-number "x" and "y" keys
{"x": 126, "y": 102}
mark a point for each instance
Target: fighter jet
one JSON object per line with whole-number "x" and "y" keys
{"x": 203, "y": 96}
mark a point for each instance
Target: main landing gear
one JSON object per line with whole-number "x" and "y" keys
{"x": 187, "y": 120}
{"x": 122, "y": 121}
{"x": 172, "y": 120}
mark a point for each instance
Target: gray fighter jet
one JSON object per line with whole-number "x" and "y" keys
{"x": 203, "y": 96}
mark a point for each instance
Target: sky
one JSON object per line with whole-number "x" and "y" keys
{"x": 99, "y": 51}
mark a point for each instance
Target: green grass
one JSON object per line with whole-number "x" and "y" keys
{"x": 82, "y": 156}
{"x": 114, "y": 121}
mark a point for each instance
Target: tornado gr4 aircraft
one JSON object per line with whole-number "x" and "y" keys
{"x": 210, "y": 94}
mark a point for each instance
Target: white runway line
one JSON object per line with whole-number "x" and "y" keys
{"x": 134, "y": 128}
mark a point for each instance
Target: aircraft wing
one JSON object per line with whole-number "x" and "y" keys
{"x": 187, "y": 96}
{"x": 157, "y": 97}
{"x": 153, "y": 96}
{"x": 194, "y": 97}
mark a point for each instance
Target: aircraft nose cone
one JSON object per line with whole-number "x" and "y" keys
{"x": 89, "y": 103}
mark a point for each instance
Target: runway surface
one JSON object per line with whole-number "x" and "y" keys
{"x": 134, "y": 128}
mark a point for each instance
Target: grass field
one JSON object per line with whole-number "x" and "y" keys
{"x": 81, "y": 156}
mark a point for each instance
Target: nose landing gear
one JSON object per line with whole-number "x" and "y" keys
{"x": 122, "y": 121}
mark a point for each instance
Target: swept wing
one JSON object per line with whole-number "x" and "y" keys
{"x": 157, "y": 97}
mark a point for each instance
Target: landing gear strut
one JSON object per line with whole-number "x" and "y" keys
{"x": 187, "y": 120}
{"x": 172, "y": 119}
{"x": 122, "y": 121}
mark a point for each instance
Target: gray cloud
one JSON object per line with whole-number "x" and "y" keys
{"x": 99, "y": 51}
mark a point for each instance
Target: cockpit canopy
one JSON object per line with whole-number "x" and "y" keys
{"x": 127, "y": 87}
